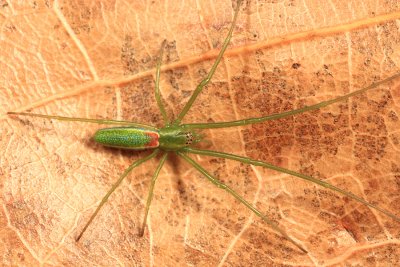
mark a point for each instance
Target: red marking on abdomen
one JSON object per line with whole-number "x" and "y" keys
{"x": 154, "y": 139}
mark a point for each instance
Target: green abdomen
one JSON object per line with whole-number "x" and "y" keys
{"x": 127, "y": 137}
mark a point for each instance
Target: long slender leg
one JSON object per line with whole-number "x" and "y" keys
{"x": 121, "y": 178}
{"x": 207, "y": 79}
{"x": 98, "y": 121}
{"x": 150, "y": 195}
{"x": 225, "y": 187}
{"x": 287, "y": 113}
{"x": 283, "y": 170}
{"x": 158, "y": 95}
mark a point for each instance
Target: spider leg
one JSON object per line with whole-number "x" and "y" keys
{"x": 225, "y": 187}
{"x": 293, "y": 173}
{"x": 112, "y": 189}
{"x": 150, "y": 195}
{"x": 98, "y": 121}
{"x": 287, "y": 113}
{"x": 207, "y": 79}
{"x": 157, "y": 87}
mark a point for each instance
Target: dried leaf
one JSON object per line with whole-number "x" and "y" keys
{"x": 97, "y": 59}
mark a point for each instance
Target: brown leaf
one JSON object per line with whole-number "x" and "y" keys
{"x": 97, "y": 59}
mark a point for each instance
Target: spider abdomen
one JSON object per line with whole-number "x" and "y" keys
{"x": 128, "y": 137}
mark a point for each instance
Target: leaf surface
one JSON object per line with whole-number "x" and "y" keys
{"x": 97, "y": 59}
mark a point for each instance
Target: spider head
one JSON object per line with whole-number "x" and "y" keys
{"x": 173, "y": 138}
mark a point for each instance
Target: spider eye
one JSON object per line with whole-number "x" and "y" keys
{"x": 189, "y": 138}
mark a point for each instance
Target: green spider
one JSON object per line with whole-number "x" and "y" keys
{"x": 178, "y": 138}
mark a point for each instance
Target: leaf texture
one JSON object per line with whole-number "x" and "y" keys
{"x": 97, "y": 59}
